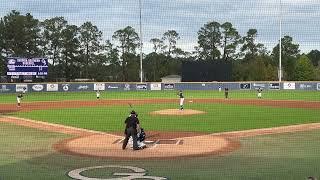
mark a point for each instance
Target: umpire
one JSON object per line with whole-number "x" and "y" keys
{"x": 132, "y": 123}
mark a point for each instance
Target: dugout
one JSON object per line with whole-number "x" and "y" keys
{"x": 206, "y": 71}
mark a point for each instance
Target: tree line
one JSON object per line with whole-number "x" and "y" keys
{"x": 80, "y": 51}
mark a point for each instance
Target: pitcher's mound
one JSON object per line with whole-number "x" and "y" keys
{"x": 177, "y": 112}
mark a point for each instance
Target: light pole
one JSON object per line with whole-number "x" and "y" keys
{"x": 280, "y": 43}
{"x": 140, "y": 23}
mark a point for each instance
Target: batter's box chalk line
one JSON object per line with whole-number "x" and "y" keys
{"x": 159, "y": 141}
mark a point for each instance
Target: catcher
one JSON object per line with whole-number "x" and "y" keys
{"x": 141, "y": 136}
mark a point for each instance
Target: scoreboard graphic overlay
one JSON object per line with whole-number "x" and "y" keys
{"x": 27, "y": 66}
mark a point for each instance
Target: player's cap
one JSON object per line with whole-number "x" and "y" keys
{"x": 132, "y": 112}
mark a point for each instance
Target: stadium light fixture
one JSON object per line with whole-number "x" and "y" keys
{"x": 140, "y": 24}
{"x": 280, "y": 43}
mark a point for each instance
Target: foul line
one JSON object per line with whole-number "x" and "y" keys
{"x": 11, "y": 119}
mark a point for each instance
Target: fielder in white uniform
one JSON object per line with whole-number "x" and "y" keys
{"x": 98, "y": 94}
{"x": 259, "y": 93}
{"x": 181, "y": 99}
{"x": 19, "y": 97}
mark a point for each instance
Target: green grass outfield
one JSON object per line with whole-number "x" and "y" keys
{"x": 244, "y": 94}
{"x": 219, "y": 117}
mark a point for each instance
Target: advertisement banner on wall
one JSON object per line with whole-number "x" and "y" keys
{"x": 155, "y": 86}
{"x": 113, "y": 86}
{"x": 168, "y": 86}
{"x": 274, "y": 86}
{"x": 127, "y": 87}
{"x": 305, "y": 86}
{"x": 141, "y": 86}
{"x": 21, "y": 88}
{"x": 65, "y": 87}
{"x": 83, "y": 87}
{"x": 318, "y": 86}
{"x": 99, "y": 86}
{"x": 258, "y": 85}
{"x": 289, "y": 85}
{"x": 4, "y": 88}
{"x": 245, "y": 86}
{"x": 52, "y": 87}
{"x": 38, "y": 87}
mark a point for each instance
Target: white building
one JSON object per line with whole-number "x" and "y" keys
{"x": 171, "y": 79}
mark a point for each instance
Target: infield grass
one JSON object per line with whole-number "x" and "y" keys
{"x": 218, "y": 117}
{"x": 244, "y": 94}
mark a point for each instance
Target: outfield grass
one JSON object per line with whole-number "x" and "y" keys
{"x": 244, "y": 94}
{"x": 219, "y": 117}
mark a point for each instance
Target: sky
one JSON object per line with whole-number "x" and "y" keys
{"x": 300, "y": 18}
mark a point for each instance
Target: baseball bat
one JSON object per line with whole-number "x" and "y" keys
{"x": 130, "y": 106}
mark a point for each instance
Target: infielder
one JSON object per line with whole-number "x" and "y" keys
{"x": 226, "y": 93}
{"x": 98, "y": 94}
{"x": 181, "y": 99}
{"x": 259, "y": 90}
{"x": 19, "y": 97}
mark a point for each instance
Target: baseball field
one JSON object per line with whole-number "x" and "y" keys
{"x": 75, "y": 136}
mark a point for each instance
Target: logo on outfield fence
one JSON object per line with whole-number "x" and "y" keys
{"x": 259, "y": 85}
{"x": 133, "y": 173}
{"x": 52, "y": 87}
{"x": 169, "y": 86}
{"x": 38, "y": 87}
{"x": 99, "y": 86}
{"x": 83, "y": 87}
{"x": 141, "y": 87}
{"x": 126, "y": 87}
{"x": 4, "y": 88}
{"x": 65, "y": 87}
{"x": 113, "y": 87}
{"x": 318, "y": 86}
{"x": 289, "y": 85}
{"x": 245, "y": 86}
{"x": 274, "y": 86}
{"x": 21, "y": 87}
{"x": 155, "y": 86}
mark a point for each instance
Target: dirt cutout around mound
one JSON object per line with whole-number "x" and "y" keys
{"x": 177, "y": 112}
{"x": 160, "y": 144}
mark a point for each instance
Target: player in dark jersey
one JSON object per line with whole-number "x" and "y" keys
{"x": 132, "y": 123}
{"x": 226, "y": 93}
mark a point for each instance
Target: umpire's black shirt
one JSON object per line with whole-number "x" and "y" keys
{"x": 131, "y": 121}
